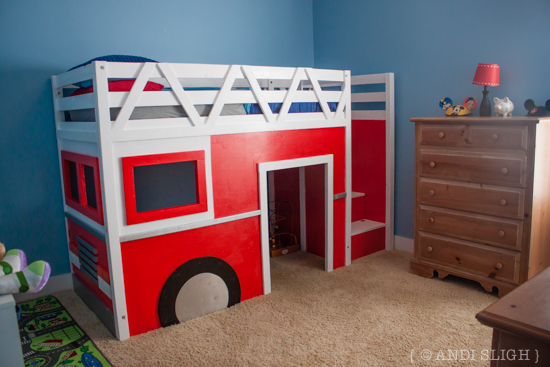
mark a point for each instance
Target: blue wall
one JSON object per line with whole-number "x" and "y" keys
{"x": 43, "y": 38}
{"x": 433, "y": 47}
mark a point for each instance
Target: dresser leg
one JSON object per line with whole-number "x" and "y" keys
{"x": 502, "y": 289}
{"x": 487, "y": 286}
{"x": 422, "y": 270}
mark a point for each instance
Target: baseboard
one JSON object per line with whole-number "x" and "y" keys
{"x": 56, "y": 283}
{"x": 404, "y": 244}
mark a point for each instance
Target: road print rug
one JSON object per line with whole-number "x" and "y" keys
{"x": 51, "y": 338}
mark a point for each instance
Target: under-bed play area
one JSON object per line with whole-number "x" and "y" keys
{"x": 204, "y": 172}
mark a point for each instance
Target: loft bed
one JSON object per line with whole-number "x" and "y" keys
{"x": 102, "y": 131}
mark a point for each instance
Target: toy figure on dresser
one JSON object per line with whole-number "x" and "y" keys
{"x": 446, "y": 104}
{"x": 503, "y": 107}
{"x": 470, "y": 103}
{"x": 17, "y": 277}
{"x": 533, "y": 110}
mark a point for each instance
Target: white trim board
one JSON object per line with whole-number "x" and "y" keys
{"x": 58, "y": 283}
{"x": 404, "y": 244}
{"x": 265, "y": 167}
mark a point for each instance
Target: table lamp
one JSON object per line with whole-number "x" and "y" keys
{"x": 487, "y": 75}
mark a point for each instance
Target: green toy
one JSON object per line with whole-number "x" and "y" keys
{"x": 17, "y": 277}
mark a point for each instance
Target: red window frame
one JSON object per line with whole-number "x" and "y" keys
{"x": 128, "y": 164}
{"x": 81, "y": 205}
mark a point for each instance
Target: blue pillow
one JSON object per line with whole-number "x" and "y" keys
{"x": 111, "y": 58}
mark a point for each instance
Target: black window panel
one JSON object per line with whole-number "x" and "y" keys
{"x": 166, "y": 185}
{"x": 73, "y": 180}
{"x": 90, "y": 186}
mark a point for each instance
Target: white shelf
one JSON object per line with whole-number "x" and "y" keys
{"x": 364, "y": 225}
{"x": 357, "y": 194}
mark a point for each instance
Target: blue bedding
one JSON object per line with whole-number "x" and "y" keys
{"x": 254, "y": 108}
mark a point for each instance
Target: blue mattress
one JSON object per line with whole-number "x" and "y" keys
{"x": 254, "y": 108}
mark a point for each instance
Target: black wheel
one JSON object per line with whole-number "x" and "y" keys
{"x": 198, "y": 287}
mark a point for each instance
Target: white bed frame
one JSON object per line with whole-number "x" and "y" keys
{"x": 109, "y": 141}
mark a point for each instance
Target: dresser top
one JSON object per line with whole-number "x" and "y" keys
{"x": 477, "y": 120}
{"x": 525, "y": 311}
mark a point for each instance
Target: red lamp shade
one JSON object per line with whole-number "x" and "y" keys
{"x": 487, "y": 74}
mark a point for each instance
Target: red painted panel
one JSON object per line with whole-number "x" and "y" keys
{"x": 235, "y": 159}
{"x": 315, "y": 217}
{"x": 367, "y": 243}
{"x": 82, "y": 205}
{"x": 287, "y": 201}
{"x": 315, "y": 209}
{"x": 357, "y": 208}
{"x": 128, "y": 164}
{"x": 101, "y": 271}
{"x": 91, "y": 286}
{"x": 148, "y": 263}
{"x": 369, "y": 167}
{"x": 102, "y": 258}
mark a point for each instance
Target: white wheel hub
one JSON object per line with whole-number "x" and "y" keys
{"x": 201, "y": 295}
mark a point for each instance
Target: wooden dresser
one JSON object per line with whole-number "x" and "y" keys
{"x": 521, "y": 325}
{"x": 482, "y": 199}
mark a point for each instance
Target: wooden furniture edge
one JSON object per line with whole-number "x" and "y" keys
{"x": 477, "y": 120}
{"x": 424, "y": 269}
{"x": 513, "y": 327}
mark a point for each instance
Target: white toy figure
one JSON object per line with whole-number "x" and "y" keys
{"x": 503, "y": 107}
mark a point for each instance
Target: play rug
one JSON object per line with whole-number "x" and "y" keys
{"x": 50, "y": 337}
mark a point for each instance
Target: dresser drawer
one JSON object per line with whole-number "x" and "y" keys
{"x": 485, "y": 199}
{"x": 498, "y": 137}
{"x": 474, "y": 136}
{"x": 498, "y": 169}
{"x": 506, "y": 233}
{"x": 444, "y": 135}
{"x": 492, "y": 262}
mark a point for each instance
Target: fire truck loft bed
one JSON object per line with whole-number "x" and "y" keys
{"x": 174, "y": 164}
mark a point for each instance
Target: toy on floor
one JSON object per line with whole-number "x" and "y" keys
{"x": 503, "y": 107}
{"x": 17, "y": 277}
{"x": 533, "y": 110}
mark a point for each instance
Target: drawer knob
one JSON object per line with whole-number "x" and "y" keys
{"x": 429, "y": 249}
{"x": 432, "y": 164}
{"x": 503, "y": 202}
{"x": 441, "y": 135}
{"x": 504, "y": 170}
{"x": 495, "y": 137}
{"x": 432, "y": 220}
{"x": 501, "y": 233}
{"x": 498, "y": 266}
{"x": 432, "y": 192}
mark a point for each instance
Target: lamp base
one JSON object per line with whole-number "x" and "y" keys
{"x": 485, "y": 106}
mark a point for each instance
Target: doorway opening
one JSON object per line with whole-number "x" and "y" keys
{"x": 319, "y": 166}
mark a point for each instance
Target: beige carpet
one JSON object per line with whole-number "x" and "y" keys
{"x": 372, "y": 313}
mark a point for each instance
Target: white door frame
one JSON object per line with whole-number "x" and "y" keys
{"x": 263, "y": 168}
